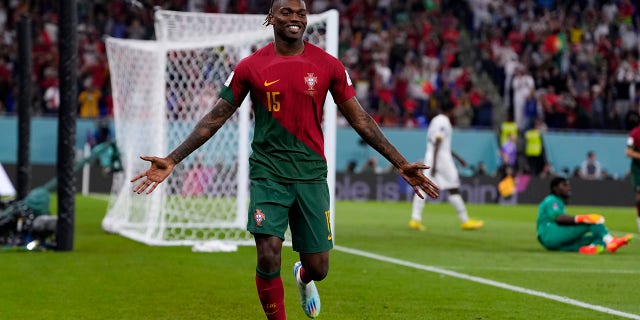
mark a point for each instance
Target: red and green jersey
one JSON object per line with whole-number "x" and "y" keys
{"x": 633, "y": 142}
{"x": 288, "y": 94}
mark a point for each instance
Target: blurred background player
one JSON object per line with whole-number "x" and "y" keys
{"x": 288, "y": 81}
{"x": 633, "y": 152}
{"x": 584, "y": 233}
{"x": 443, "y": 172}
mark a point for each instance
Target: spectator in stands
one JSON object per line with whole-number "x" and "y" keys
{"x": 371, "y": 166}
{"x": 88, "y": 100}
{"x": 590, "y": 168}
{"x": 532, "y": 110}
{"x": 481, "y": 170}
{"x": 6, "y": 82}
{"x": 547, "y": 172}
{"x": 463, "y": 111}
{"x": 584, "y": 233}
{"x": 482, "y": 108}
{"x": 52, "y": 98}
{"x": 597, "y": 109}
{"x": 523, "y": 85}
{"x": 351, "y": 167}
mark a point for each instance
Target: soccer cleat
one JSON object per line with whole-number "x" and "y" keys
{"x": 472, "y": 224}
{"x": 309, "y": 297}
{"x": 618, "y": 242}
{"x": 416, "y": 225}
{"x": 591, "y": 249}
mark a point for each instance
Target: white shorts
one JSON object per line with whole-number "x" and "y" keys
{"x": 446, "y": 177}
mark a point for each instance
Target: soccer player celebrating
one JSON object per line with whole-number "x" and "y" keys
{"x": 288, "y": 81}
{"x": 633, "y": 152}
{"x": 584, "y": 233}
{"x": 443, "y": 170}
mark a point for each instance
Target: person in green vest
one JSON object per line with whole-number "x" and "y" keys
{"x": 584, "y": 233}
{"x": 534, "y": 148}
{"x": 508, "y": 128}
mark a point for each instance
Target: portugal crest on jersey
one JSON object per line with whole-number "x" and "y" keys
{"x": 258, "y": 216}
{"x": 311, "y": 80}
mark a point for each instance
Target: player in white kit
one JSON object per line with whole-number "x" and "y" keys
{"x": 443, "y": 170}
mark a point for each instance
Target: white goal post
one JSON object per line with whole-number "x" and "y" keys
{"x": 160, "y": 89}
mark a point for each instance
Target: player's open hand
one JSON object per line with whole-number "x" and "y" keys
{"x": 158, "y": 171}
{"x": 413, "y": 174}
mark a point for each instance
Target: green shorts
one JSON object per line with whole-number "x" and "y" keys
{"x": 635, "y": 179}
{"x": 304, "y": 207}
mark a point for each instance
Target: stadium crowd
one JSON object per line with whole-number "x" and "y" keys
{"x": 573, "y": 64}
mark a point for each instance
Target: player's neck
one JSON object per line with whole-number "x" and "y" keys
{"x": 284, "y": 48}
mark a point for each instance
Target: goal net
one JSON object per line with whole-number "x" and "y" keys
{"x": 160, "y": 90}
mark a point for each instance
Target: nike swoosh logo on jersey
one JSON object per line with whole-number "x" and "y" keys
{"x": 267, "y": 83}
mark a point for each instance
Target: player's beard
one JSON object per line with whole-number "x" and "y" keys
{"x": 289, "y": 37}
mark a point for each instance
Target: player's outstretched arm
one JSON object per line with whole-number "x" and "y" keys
{"x": 160, "y": 168}
{"x": 368, "y": 129}
{"x": 460, "y": 159}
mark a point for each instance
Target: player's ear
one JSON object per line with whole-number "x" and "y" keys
{"x": 268, "y": 20}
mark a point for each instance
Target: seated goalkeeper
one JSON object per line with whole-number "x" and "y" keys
{"x": 583, "y": 233}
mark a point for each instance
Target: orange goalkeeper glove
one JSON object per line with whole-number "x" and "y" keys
{"x": 592, "y": 218}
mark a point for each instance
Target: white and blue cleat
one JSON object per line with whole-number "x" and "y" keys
{"x": 309, "y": 297}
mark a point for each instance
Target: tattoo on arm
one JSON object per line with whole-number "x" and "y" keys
{"x": 203, "y": 131}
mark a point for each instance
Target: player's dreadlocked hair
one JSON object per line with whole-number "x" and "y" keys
{"x": 266, "y": 20}
{"x": 632, "y": 119}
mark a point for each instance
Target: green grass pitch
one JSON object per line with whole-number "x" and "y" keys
{"x": 379, "y": 270}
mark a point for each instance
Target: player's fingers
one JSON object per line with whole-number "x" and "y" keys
{"x": 434, "y": 186}
{"x": 152, "y": 187}
{"x": 432, "y": 193}
{"x": 142, "y": 186}
{"x": 137, "y": 188}
{"x": 134, "y": 179}
{"x": 417, "y": 191}
{"x": 431, "y": 189}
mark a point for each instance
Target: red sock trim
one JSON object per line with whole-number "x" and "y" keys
{"x": 304, "y": 276}
{"x": 271, "y": 294}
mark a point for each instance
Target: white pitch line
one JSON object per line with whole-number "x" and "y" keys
{"x": 610, "y": 271}
{"x": 488, "y": 282}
